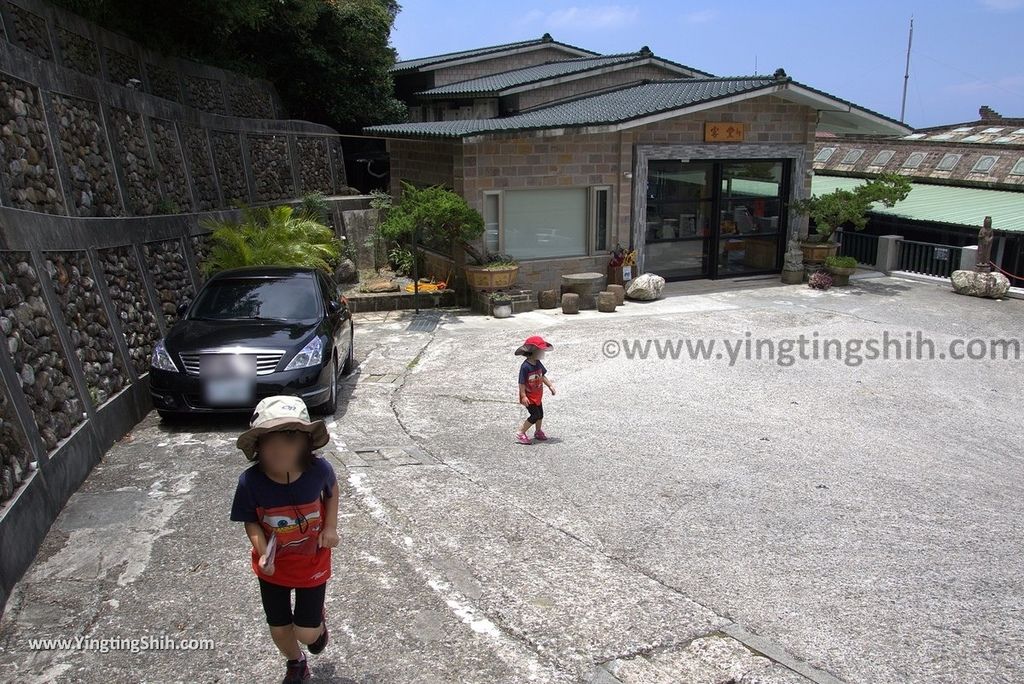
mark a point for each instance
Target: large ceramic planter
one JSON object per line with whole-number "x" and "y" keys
{"x": 503, "y": 310}
{"x": 817, "y": 252}
{"x": 487, "y": 279}
{"x": 841, "y": 276}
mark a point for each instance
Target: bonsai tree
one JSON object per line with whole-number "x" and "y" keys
{"x": 441, "y": 216}
{"x": 841, "y": 208}
{"x": 267, "y": 236}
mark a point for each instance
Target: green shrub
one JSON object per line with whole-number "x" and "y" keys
{"x": 439, "y": 214}
{"x": 401, "y": 260}
{"x": 840, "y": 207}
{"x": 270, "y": 237}
{"x": 314, "y": 205}
{"x": 840, "y": 262}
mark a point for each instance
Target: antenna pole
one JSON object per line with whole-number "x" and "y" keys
{"x": 906, "y": 73}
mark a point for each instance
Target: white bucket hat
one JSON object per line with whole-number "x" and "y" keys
{"x": 276, "y": 414}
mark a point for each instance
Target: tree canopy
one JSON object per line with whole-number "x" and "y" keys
{"x": 329, "y": 59}
{"x": 850, "y": 207}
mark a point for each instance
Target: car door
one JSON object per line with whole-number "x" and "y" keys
{"x": 337, "y": 315}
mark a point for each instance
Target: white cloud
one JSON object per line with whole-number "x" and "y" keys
{"x": 600, "y": 17}
{"x": 700, "y": 16}
{"x": 1003, "y": 5}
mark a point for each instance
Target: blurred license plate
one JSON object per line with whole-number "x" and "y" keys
{"x": 228, "y": 379}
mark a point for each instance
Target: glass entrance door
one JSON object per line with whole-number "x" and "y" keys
{"x": 714, "y": 219}
{"x": 680, "y": 207}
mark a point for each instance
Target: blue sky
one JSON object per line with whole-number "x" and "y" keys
{"x": 966, "y": 52}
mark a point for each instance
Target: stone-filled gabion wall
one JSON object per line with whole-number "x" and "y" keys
{"x": 128, "y": 295}
{"x": 314, "y": 165}
{"x": 247, "y": 99}
{"x": 29, "y": 31}
{"x": 170, "y": 165}
{"x": 87, "y": 323}
{"x": 93, "y": 185}
{"x": 171, "y": 277}
{"x": 29, "y": 174}
{"x": 79, "y": 52}
{"x": 14, "y": 453}
{"x": 163, "y": 82}
{"x": 35, "y": 350}
{"x": 338, "y": 159}
{"x": 197, "y": 152}
{"x": 201, "y": 249}
{"x": 205, "y": 94}
{"x": 121, "y": 68}
{"x": 227, "y": 155}
{"x": 139, "y": 173}
{"x": 271, "y": 167}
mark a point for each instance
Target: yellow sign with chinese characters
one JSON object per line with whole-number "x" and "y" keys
{"x": 723, "y": 131}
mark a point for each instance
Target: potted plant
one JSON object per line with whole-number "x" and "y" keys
{"x": 497, "y": 272}
{"x": 846, "y": 209}
{"x": 439, "y": 216}
{"x": 841, "y": 269}
{"x": 501, "y": 305}
{"x": 820, "y": 280}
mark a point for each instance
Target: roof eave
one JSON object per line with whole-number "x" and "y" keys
{"x": 840, "y": 116}
{"x": 469, "y": 59}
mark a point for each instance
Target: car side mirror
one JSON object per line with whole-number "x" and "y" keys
{"x": 183, "y": 308}
{"x": 335, "y": 307}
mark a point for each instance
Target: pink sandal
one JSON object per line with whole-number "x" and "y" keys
{"x": 540, "y": 436}
{"x": 522, "y": 438}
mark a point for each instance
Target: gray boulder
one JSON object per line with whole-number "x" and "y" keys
{"x": 346, "y": 272}
{"x": 645, "y": 287}
{"x": 993, "y": 285}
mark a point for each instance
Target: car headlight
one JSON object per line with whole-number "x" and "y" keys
{"x": 311, "y": 355}
{"x": 161, "y": 359}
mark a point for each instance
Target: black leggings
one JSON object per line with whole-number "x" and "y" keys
{"x": 277, "y": 604}
{"x": 536, "y": 413}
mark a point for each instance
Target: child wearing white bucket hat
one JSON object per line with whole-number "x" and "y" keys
{"x": 288, "y": 500}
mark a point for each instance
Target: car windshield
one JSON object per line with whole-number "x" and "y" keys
{"x": 286, "y": 299}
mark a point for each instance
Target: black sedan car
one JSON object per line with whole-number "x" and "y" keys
{"x": 252, "y": 333}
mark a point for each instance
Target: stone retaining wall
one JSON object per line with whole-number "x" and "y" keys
{"x": 82, "y": 303}
{"x": 92, "y": 125}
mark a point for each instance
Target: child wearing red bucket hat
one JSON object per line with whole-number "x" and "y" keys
{"x": 532, "y": 379}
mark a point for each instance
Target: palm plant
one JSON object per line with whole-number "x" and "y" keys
{"x": 271, "y": 236}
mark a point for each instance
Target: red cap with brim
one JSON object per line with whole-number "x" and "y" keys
{"x": 532, "y": 344}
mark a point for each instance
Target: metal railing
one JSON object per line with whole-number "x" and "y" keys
{"x": 928, "y": 258}
{"x": 863, "y": 248}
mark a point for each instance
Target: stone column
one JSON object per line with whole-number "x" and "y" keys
{"x": 968, "y": 257}
{"x": 888, "y": 256}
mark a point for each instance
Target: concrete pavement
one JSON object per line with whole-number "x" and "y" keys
{"x": 692, "y": 520}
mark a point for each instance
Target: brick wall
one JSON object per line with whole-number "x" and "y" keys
{"x": 584, "y": 160}
{"x": 425, "y": 162}
{"x": 486, "y": 67}
{"x": 534, "y": 98}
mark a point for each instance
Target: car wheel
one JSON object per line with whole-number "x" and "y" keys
{"x": 331, "y": 405}
{"x": 350, "y": 360}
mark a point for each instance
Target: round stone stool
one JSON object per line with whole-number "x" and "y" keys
{"x": 606, "y": 302}
{"x": 620, "y": 294}
{"x": 570, "y": 303}
{"x": 586, "y": 285}
{"x": 547, "y": 299}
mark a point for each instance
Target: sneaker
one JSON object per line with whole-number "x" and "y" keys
{"x": 539, "y": 435}
{"x": 522, "y": 438}
{"x": 321, "y": 643}
{"x": 298, "y": 671}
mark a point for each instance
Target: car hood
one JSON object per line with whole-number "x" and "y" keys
{"x": 192, "y": 335}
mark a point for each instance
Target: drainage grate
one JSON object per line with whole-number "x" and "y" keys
{"x": 424, "y": 323}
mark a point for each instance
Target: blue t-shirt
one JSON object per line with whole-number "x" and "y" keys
{"x": 294, "y": 513}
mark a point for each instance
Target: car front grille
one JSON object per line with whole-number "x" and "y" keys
{"x": 266, "y": 359}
